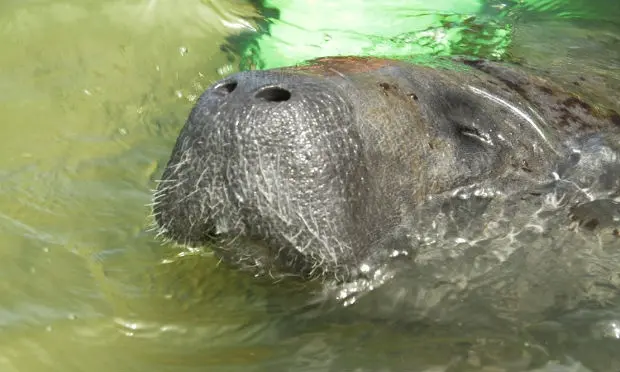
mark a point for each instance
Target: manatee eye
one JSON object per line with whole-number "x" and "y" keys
{"x": 465, "y": 119}
{"x": 475, "y": 133}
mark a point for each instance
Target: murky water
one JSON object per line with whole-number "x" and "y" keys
{"x": 92, "y": 96}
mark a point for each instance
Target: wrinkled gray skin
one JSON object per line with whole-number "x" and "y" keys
{"x": 334, "y": 169}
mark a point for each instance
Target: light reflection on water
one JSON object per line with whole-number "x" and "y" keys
{"x": 92, "y": 95}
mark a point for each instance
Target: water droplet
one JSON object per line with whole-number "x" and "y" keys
{"x": 225, "y": 70}
{"x": 607, "y": 329}
{"x": 350, "y": 301}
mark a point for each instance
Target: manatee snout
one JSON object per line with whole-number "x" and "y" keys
{"x": 318, "y": 168}
{"x": 261, "y": 171}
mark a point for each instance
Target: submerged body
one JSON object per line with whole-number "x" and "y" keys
{"x": 428, "y": 182}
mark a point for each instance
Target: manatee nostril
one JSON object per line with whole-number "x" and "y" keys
{"x": 273, "y": 94}
{"x": 226, "y": 88}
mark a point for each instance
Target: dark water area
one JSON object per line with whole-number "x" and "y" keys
{"x": 92, "y": 97}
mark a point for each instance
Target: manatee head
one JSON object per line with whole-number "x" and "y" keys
{"x": 306, "y": 170}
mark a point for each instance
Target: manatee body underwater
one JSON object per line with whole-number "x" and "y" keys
{"x": 441, "y": 187}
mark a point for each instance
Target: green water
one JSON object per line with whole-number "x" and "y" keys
{"x": 92, "y": 96}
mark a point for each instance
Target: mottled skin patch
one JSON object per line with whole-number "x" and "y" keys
{"x": 564, "y": 110}
{"x": 328, "y": 66}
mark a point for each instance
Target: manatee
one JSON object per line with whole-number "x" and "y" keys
{"x": 341, "y": 170}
